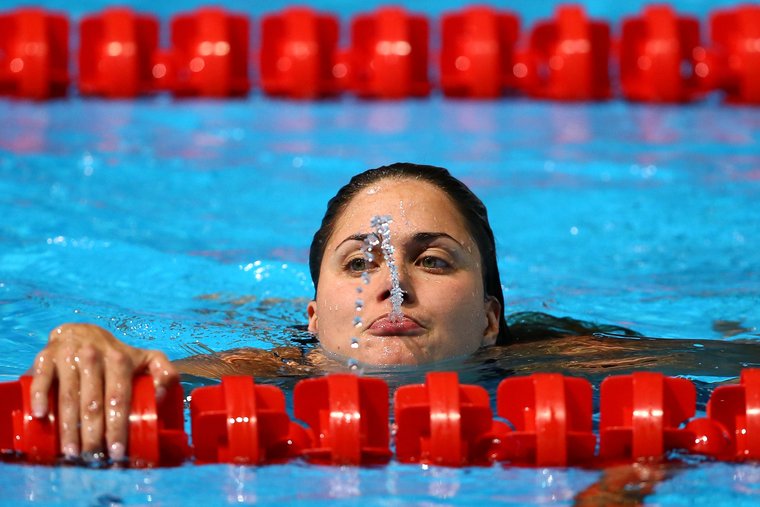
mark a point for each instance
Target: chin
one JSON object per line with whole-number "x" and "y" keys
{"x": 394, "y": 350}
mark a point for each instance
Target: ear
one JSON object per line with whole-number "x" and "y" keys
{"x": 493, "y": 312}
{"x": 311, "y": 312}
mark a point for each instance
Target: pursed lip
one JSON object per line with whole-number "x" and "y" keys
{"x": 406, "y": 326}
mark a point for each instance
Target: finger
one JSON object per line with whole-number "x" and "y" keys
{"x": 118, "y": 399}
{"x": 68, "y": 402}
{"x": 163, "y": 372}
{"x": 91, "y": 399}
{"x": 43, "y": 372}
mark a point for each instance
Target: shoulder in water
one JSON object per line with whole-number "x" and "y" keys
{"x": 533, "y": 326}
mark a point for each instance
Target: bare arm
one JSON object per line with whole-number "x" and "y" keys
{"x": 245, "y": 361}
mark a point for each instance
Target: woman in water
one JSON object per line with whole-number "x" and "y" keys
{"x": 452, "y": 305}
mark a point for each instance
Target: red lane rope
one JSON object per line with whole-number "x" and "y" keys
{"x": 441, "y": 422}
{"x": 657, "y": 56}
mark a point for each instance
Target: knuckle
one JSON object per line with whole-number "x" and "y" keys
{"x": 88, "y": 354}
{"x": 64, "y": 330}
{"x": 78, "y": 331}
{"x": 68, "y": 397}
{"x": 66, "y": 361}
{"x": 119, "y": 359}
{"x": 116, "y": 400}
{"x": 93, "y": 407}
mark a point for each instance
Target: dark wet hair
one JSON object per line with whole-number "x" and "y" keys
{"x": 468, "y": 204}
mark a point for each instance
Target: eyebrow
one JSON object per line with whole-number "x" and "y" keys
{"x": 353, "y": 237}
{"x": 420, "y": 237}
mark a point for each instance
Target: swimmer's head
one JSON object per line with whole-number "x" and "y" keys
{"x": 448, "y": 268}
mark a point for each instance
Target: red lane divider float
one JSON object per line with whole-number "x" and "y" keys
{"x": 209, "y": 54}
{"x": 545, "y": 420}
{"x": 35, "y": 438}
{"x": 641, "y": 415}
{"x": 388, "y": 57}
{"x": 156, "y": 430}
{"x": 442, "y": 422}
{"x": 240, "y": 422}
{"x": 736, "y": 36}
{"x": 477, "y": 52}
{"x": 34, "y": 54}
{"x": 551, "y": 414}
{"x": 567, "y": 58}
{"x": 116, "y": 55}
{"x": 156, "y": 434}
{"x": 347, "y": 418}
{"x": 298, "y": 55}
{"x": 661, "y": 55}
{"x": 731, "y": 430}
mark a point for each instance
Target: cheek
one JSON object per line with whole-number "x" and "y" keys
{"x": 335, "y": 311}
{"x": 340, "y": 300}
{"x": 461, "y": 311}
{"x": 455, "y": 299}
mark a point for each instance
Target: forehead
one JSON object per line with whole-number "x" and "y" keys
{"x": 414, "y": 206}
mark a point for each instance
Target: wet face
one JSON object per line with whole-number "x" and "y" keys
{"x": 445, "y": 311}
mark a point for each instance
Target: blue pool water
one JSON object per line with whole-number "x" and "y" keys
{"x": 184, "y": 226}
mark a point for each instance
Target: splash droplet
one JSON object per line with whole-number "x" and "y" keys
{"x": 382, "y": 226}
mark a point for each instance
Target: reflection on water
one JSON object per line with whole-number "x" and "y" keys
{"x": 28, "y": 133}
{"x": 626, "y": 484}
{"x": 444, "y": 483}
{"x": 241, "y": 484}
{"x": 344, "y": 482}
{"x": 390, "y": 119}
{"x": 570, "y": 124}
{"x": 747, "y": 480}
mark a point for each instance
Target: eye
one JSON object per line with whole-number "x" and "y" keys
{"x": 357, "y": 264}
{"x": 433, "y": 263}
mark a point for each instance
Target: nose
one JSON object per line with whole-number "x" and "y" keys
{"x": 405, "y": 284}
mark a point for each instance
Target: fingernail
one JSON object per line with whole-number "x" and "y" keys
{"x": 70, "y": 451}
{"x": 160, "y": 393}
{"x": 38, "y": 409}
{"x": 116, "y": 452}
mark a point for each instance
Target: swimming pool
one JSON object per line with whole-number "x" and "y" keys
{"x": 185, "y": 226}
